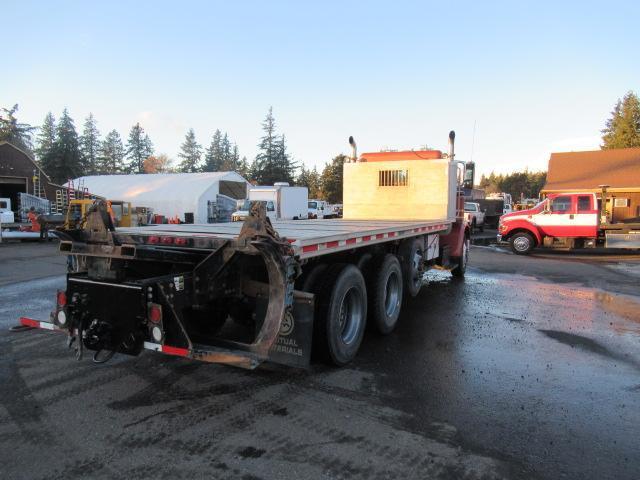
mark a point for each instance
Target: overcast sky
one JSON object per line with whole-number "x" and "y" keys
{"x": 534, "y": 77}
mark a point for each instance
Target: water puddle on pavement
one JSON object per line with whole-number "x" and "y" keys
{"x": 551, "y": 306}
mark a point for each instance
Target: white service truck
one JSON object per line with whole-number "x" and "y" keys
{"x": 320, "y": 209}
{"x": 282, "y": 202}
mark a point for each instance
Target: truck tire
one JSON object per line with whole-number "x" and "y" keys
{"x": 473, "y": 226}
{"x": 410, "y": 253}
{"x": 384, "y": 292}
{"x": 521, "y": 243}
{"x": 461, "y": 267}
{"x": 340, "y": 313}
{"x": 482, "y": 228}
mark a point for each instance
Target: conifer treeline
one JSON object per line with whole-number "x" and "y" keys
{"x": 64, "y": 153}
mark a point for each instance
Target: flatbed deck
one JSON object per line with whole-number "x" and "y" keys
{"x": 309, "y": 238}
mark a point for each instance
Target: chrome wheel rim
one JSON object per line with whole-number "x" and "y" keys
{"x": 417, "y": 277}
{"x": 392, "y": 294}
{"x": 521, "y": 244}
{"x": 351, "y": 315}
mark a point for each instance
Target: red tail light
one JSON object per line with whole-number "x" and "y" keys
{"x": 166, "y": 240}
{"x": 155, "y": 313}
{"x": 153, "y": 240}
{"x": 61, "y": 299}
{"x": 180, "y": 241}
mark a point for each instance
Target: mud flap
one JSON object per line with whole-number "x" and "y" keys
{"x": 292, "y": 346}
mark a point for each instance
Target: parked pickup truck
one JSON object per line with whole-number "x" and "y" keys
{"x": 567, "y": 220}
{"x": 474, "y": 215}
{"x": 244, "y": 293}
{"x": 6, "y": 214}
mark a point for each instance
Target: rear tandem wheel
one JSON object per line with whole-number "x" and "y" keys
{"x": 384, "y": 292}
{"x": 340, "y": 313}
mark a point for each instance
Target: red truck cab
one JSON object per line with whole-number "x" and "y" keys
{"x": 561, "y": 219}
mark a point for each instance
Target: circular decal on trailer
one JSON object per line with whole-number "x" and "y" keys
{"x": 287, "y": 324}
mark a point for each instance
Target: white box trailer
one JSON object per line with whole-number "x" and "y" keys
{"x": 282, "y": 202}
{"x": 262, "y": 290}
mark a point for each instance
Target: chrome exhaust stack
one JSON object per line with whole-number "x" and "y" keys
{"x": 452, "y": 141}
{"x": 354, "y": 150}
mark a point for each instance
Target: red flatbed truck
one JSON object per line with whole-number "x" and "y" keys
{"x": 245, "y": 293}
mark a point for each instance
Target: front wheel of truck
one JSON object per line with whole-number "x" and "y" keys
{"x": 521, "y": 243}
{"x": 410, "y": 255}
{"x": 461, "y": 267}
{"x": 341, "y": 313}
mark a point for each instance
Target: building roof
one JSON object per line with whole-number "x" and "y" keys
{"x": 618, "y": 168}
{"x": 140, "y": 187}
{"x": 167, "y": 194}
{"x": 29, "y": 157}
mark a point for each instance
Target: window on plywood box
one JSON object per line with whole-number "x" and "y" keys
{"x": 393, "y": 178}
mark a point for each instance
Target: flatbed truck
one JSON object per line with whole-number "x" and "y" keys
{"x": 244, "y": 293}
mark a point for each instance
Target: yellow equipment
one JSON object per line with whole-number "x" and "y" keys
{"x": 77, "y": 211}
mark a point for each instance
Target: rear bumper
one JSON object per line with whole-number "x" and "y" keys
{"x": 30, "y": 322}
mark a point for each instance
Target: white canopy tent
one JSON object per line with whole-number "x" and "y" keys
{"x": 168, "y": 194}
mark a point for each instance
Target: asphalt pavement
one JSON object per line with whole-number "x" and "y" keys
{"x": 527, "y": 368}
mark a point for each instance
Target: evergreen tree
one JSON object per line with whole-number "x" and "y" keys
{"x": 14, "y": 132}
{"x": 235, "y": 158}
{"x": 332, "y": 180}
{"x": 264, "y": 167}
{"x": 253, "y": 173}
{"x": 90, "y": 145}
{"x": 139, "y": 147}
{"x": 63, "y": 161}
{"x": 244, "y": 168}
{"x": 311, "y": 180}
{"x": 191, "y": 152}
{"x": 623, "y": 128}
{"x": 46, "y": 137}
{"x": 285, "y": 163}
{"x": 111, "y": 155}
{"x": 272, "y": 163}
{"x": 225, "y": 148}
{"x": 213, "y": 155}
{"x": 519, "y": 184}
{"x": 222, "y": 154}
{"x": 316, "y": 183}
